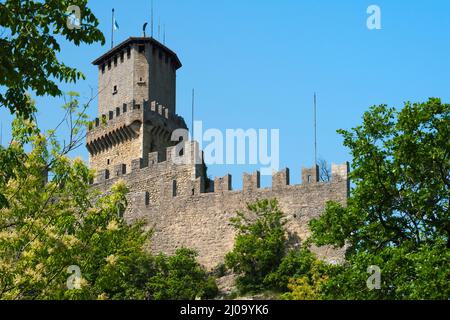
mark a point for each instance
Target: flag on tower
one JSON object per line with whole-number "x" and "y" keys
{"x": 116, "y": 25}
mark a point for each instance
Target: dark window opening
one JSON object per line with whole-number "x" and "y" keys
{"x": 109, "y": 65}
{"x": 115, "y": 61}
{"x": 117, "y": 112}
{"x": 193, "y": 191}
{"x": 124, "y": 169}
{"x": 309, "y": 179}
{"x": 121, "y": 56}
{"x": 111, "y": 115}
{"x": 115, "y": 90}
{"x": 128, "y": 53}
{"x": 108, "y": 162}
{"x": 174, "y": 188}
{"x": 147, "y": 198}
{"x": 124, "y": 108}
{"x": 141, "y": 49}
{"x": 103, "y": 68}
{"x": 106, "y": 174}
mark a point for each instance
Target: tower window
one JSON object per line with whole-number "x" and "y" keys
{"x": 128, "y": 53}
{"x": 309, "y": 179}
{"x": 115, "y": 90}
{"x": 108, "y": 162}
{"x": 109, "y": 65}
{"x": 174, "y": 188}
{"x": 124, "y": 169}
{"x": 141, "y": 49}
{"x": 103, "y": 68}
{"x": 121, "y": 56}
{"x": 111, "y": 115}
{"x": 124, "y": 108}
{"x": 115, "y": 61}
{"x": 117, "y": 112}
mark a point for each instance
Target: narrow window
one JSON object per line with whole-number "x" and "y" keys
{"x": 117, "y": 112}
{"x": 124, "y": 108}
{"x": 121, "y": 56}
{"x": 147, "y": 198}
{"x": 115, "y": 90}
{"x": 309, "y": 179}
{"x": 103, "y": 68}
{"x": 109, "y": 65}
{"x": 128, "y": 53}
{"x": 174, "y": 188}
{"x": 141, "y": 49}
{"x": 111, "y": 115}
{"x": 124, "y": 169}
{"x": 106, "y": 174}
{"x": 108, "y": 162}
{"x": 115, "y": 61}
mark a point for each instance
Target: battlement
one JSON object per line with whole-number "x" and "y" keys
{"x": 171, "y": 164}
{"x": 121, "y": 124}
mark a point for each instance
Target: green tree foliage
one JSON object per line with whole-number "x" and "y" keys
{"x": 30, "y": 32}
{"x": 180, "y": 277}
{"x": 259, "y": 246}
{"x": 295, "y": 264}
{"x": 397, "y": 216}
{"x": 308, "y": 286}
{"x": 52, "y": 225}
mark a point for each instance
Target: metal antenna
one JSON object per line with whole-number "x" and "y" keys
{"x": 112, "y": 29}
{"x": 159, "y": 28}
{"x": 152, "y": 22}
{"x": 164, "y": 33}
{"x": 193, "y": 104}
{"x": 315, "y": 129}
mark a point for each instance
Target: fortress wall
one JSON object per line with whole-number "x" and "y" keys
{"x": 192, "y": 218}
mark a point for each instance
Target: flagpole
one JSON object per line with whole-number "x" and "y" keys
{"x": 192, "y": 112}
{"x": 112, "y": 30}
{"x": 315, "y": 130}
{"x": 151, "y": 22}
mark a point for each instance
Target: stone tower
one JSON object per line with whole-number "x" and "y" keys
{"x": 136, "y": 105}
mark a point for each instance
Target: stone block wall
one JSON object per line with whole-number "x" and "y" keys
{"x": 171, "y": 198}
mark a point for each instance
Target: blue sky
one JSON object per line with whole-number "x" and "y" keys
{"x": 257, "y": 63}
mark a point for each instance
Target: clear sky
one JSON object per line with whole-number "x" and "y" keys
{"x": 257, "y": 63}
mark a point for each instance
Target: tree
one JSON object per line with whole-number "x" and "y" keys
{"x": 180, "y": 277}
{"x": 398, "y": 210}
{"x": 52, "y": 227}
{"x": 260, "y": 244}
{"x": 29, "y": 34}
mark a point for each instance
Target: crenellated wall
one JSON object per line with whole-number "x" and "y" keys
{"x": 173, "y": 200}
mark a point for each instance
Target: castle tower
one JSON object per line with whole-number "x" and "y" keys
{"x": 136, "y": 105}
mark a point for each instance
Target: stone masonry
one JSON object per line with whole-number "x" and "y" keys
{"x": 131, "y": 141}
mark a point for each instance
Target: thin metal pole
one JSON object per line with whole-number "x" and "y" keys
{"x": 315, "y": 129}
{"x": 112, "y": 30}
{"x": 164, "y": 33}
{"x": 193, "y": 104}
{"x": 152, "y": 20}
